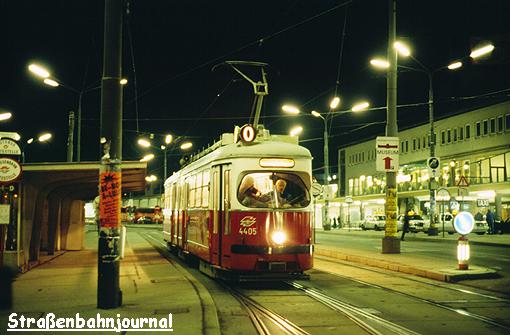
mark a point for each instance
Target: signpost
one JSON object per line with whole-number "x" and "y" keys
{"x": 387, "y": 149}
{"x": 433, "y": 164}
{"x": 10, "y": 173}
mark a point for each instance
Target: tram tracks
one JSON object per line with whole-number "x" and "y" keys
{"x": 259, "y": 313}
{"x": 269, "y": 318}
{"x": 440, "y": 304}
{"x": 372, "y": 324}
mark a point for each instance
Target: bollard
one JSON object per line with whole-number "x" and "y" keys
{"x": 463, "y": 253}
{"x": 7, "y": 275}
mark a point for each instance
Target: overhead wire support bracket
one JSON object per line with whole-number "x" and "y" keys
{"x": 260, "y": 88}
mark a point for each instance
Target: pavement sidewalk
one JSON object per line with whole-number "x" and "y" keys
{"x": 151, "y": 285}
{"x": 413, "y": 264}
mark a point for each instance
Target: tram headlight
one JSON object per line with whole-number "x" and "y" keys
{"x": 279, "y": 237}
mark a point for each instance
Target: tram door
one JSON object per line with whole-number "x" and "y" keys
{"x": 221, "y": 212}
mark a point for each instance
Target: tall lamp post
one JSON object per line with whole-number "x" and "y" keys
{"x": 328, "y": 117}
{"x": 479, "y": 52}
{"x": 52, "y": 81}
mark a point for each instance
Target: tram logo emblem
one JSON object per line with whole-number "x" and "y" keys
{"x": 247, "y": 221}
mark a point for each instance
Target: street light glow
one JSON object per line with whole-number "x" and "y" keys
{"x": 454, "y": 65}
{"x": 481, "y": 51}
{"x": 44, "y": 137}
{"x": 163, "y": 147}
{"x": 186, "y": 145}
{"x": 290, "y": 109}
{"x": 144, "y": 142}
{"x": 123, "y": 81}
{"x": 147, "y": 158}
{"x": 316, "y": 114}
{"x": 402, "y": 49}
{"x": 168, "y": 139}
{"x": 30, "y": 140}
{"x": 51, "y": 82}
{"x": 38, "y": 70}
{"x": 380, "y": 63}
{"x": 151, "y": 178}
{"x": 360, "y": 106}
{"x": 5, "y": 116}
{"x": 296, "y": 131}
{"x": 334, "y": 103}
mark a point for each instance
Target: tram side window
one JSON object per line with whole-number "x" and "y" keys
{"x": 205, "y": 189}
{"x": 273, "y": 190}
{"x": 191, "y": 191}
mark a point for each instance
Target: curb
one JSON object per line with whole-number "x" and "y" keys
{"x": 447, "y": 275}
{"x": 418, "y": 238}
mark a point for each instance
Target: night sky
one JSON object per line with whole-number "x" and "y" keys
{"x": 172, "y": 46}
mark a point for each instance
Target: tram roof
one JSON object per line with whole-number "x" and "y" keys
{"x": 264, "y": 146}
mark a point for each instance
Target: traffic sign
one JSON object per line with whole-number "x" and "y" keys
{"x": 9, "y": 147}
{"x": 462, "y": 182}
{"x": 464, "y": 223}
{"x": 387, "y": 149}
{"x": 433, "y": 163}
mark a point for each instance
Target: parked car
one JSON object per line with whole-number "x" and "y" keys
{"x": 416, "y": 223}
{"x": 376, "y": 222}
{"x": 480, "y": 228}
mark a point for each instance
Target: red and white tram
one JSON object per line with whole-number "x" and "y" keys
{"x": 243, "y": 208}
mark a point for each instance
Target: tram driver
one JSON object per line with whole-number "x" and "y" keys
{"x": 281, "y": 200}
{"x": 250, "y": 196}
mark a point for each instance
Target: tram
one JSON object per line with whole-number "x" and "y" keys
{"x": 242, "y": 207}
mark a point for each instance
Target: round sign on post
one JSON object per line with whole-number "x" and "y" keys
{"x": 433, "y": 164}
{"x": 10, "y": 170}
{"x": 464, "y": 223}
{"x": 247, "y": 133}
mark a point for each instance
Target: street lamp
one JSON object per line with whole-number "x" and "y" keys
{"x": 44, "y": 137}
{"x": 325, "y": 118}
{"x": 52, "y": 81}
{"x": 296, "y": 131}
{"x": 186, "y": 145}
{"x": 5, "y": 116}
{"x": 402, "y": 49}
{"x": 147, "y": 158}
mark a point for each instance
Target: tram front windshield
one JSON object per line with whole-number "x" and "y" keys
{"x": 273, "y": 190}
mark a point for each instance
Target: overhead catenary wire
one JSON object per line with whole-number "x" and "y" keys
{"x": 130, "y": 39}
{"x": 258, "y": 41}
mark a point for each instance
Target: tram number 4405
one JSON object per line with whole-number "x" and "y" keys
{"x": 248, "y": 231}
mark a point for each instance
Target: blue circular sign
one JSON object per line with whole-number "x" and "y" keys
{"x": 464, "y": 223}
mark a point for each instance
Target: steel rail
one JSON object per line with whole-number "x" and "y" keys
{"x": 356, "y": 314}
{"x": 432, "y": 302}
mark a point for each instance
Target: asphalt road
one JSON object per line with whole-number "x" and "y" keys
{"x": 496, "y": 257}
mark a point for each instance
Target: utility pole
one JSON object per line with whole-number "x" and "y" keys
{"x": 109, "y": 294}
{"x": 70, "y": 137}
{"x": 78, "y": 131}
{"x": 432, "y": 144}
{"x": 390, "y": 242}
{"x": 326, "y": 224}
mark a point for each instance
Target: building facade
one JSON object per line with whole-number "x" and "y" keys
{"x": 474, "y": 174}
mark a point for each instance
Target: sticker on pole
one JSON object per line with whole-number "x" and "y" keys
{"x": 387, "y": 149}
{"x": 110, "y": 199}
